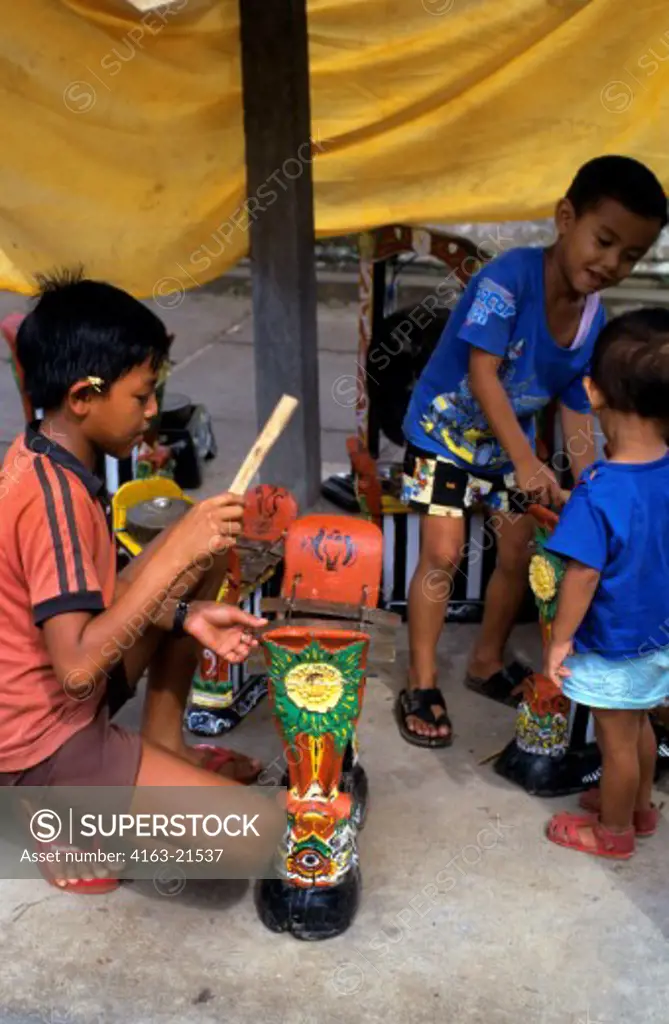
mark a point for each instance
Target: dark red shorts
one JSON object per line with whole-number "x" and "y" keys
{"x": 100, "y": 754}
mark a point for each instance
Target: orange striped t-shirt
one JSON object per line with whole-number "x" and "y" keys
{"x": 57, "y": 555}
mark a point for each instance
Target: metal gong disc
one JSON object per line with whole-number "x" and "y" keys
{"x": 146, "y": 519}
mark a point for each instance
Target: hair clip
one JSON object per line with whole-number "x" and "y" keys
{"x": 164, "y": 371}
{"x": 96, "y": 383}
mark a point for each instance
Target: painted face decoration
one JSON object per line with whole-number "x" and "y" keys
{"x": 335, "y": 549}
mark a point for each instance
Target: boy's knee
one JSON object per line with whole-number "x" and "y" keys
{"x": 445, "y": 556}
{"x": 442, "y": 550}
{"x": 514, "y": 548}
{"x": 514, "y": 559}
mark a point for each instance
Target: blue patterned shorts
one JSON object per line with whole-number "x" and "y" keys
{"x": 433, "y": 485}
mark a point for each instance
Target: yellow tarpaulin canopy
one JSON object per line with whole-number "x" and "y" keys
{"x": 124, "y": 146}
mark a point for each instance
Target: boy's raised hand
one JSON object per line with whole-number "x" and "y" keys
{"x": 223, "y": 628}
{"x": 210, "y": 527}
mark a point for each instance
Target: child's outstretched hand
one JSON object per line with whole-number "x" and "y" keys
{"x": 554, "y": 658}
{"x": 538, "y": 481}
{"x": 223, "y": 628}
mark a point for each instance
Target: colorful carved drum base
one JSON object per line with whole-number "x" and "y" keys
{"x": 316, "y": 685}
{"x": 245, "y": 692}
{"x": 546, "y": 773}
{"x": 551, "y": 753}
{"x": 354, "y": 781}
{"x": 579, "y": 768}
{"x": 309, "y": 914}
{"x": 222, "y": 694}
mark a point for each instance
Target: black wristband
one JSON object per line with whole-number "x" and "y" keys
{"x": 180, "y": 614}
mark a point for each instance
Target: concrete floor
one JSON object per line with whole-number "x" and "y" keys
{"x": 468, "y": 913}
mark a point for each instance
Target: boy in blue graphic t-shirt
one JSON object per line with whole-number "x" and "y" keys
{"x": 521, "y": 335}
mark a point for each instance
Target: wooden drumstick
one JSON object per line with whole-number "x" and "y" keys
{"x": 267, "y": 437}
{"x": 265, "y": 440}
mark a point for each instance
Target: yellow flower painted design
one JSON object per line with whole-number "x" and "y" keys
{"x": 543, "y": 580}
{"x": 315, "y": 686}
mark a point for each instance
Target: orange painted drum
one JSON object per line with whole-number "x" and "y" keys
{"x": 316, "y": 681}
{"x": 268, "y": 512}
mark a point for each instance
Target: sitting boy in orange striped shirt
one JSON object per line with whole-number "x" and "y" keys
{"x": 76, "y": 638}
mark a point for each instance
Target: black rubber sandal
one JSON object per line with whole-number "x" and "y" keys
{"x": 500, "y": 686}
{"x": 419, "y": 703}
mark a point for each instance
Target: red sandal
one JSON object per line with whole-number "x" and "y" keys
{"x": 83, "y": 886}
{"x": 565, "y": 829}
{"x": 645, "y": 822}
{"x": 79, "y": 886}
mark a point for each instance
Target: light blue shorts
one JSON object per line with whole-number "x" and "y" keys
{"x": 634, "y": 683}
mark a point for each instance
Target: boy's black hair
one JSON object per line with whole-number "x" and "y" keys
{"x": 627, "y": 181}
{"x": 81, "y": 328}
{"x": 630, "y": 363}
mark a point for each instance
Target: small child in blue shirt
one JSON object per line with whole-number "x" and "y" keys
{"x": 609, "y": 644}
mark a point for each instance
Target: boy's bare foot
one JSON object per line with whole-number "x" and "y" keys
{"x": 422, "y": 717}
{"x": 422, "y": 728}
{"x": 73, "y": 874}
{"x": 228, "y": 763}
